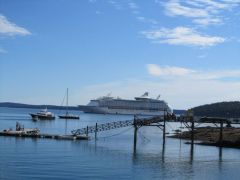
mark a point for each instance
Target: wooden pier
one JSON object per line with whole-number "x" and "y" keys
{"x": 189, "y": 121}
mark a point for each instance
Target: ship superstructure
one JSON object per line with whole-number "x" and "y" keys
{"x": 142, "y": 105}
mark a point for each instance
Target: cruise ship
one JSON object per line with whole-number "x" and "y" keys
{"x": 143, "y": 105}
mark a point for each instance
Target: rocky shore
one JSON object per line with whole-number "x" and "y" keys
{"x": 210, "y": 136}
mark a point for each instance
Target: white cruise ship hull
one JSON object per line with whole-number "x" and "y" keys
{"x": 106, "y": 110}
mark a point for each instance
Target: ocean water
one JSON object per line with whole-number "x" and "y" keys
{"x": 112, "y": 156}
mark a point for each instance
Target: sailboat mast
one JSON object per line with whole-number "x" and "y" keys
{"x": 67, "y": 101}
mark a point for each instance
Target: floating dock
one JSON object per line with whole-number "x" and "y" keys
{"x": 42, "y": 136}
{"x": 35, "y": 133}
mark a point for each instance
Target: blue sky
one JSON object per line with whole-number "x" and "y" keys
{"x": 185, "y": 50}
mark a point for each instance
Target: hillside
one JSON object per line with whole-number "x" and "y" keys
{"x": 220, "y": 109}
{"x": 20, "y": 105}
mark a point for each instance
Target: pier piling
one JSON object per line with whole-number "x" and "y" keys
{"x": 164, "y": 127}
{"x": 192, "y": 130}
{"x": 135, "y": 132}
{"x": 221, "y": 132}
{"x": 96, "y": 129}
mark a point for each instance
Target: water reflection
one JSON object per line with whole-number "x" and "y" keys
{"x": 220, "y": 154}
{"x": 66, "y": 126}
{"x": 163, "y": 150}
{"x": 220, "y": 159}
{"x": 113, "y": 157}
{"x": 135, "y": 152}
{"x": 191, "y": 152}
{"x": 180, "y": 147}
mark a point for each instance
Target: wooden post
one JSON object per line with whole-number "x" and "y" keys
{"x": 96, "y": 132}
{"x": 221, "y": 133}
{"x": 191, "y": 152}
{"x": 164, "y": 128}
{"x": 192, "y": 130}
{"x": 191, "y": 116}
{"x": 135, "y": 133}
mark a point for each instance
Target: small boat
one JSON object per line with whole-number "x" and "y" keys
{"x": 43, "y": 115}
{"x": 67, "y": 115}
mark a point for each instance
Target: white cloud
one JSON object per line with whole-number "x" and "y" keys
{"x": 10, "y": 29}
{"x": 182, "y": 36}
{"x": 156, "y": 70}
{"x": 116, "y": 4}
{"x": 170, "y": 72}
{"x": 180, "y": 87}
{"x": 203, "y": 12}
{"x": 208, "y": 21}
{"x": 202, "y": 56}
{"x": 174, "y": 8}
{"x": 218, "y": 75}
{"x": 191, "y": 89}
{"x": 213, "y": 4}
{"x": 179, "y": 93}
{"x": 133, "y": 5}
{"x": 147, "y": 20}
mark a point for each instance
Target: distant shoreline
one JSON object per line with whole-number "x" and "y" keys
{"x": 29, "y": 106}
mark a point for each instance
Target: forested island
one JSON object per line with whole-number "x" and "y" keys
{"x": 220, "y": 109}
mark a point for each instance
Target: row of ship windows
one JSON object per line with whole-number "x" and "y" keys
{"x": 124, "y": 105}
{"x": 138, "y": 108}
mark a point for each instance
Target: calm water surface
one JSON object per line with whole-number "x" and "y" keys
{"x": 112, "y": 156}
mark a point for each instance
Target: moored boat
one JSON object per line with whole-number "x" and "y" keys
{"x": 43, "y": 115}
{"x": 67, "y": 115}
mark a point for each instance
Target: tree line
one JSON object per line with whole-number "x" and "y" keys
{"x": 220, "y": 109}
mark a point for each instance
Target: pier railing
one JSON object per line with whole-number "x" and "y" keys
{"x": 118, "y": 124}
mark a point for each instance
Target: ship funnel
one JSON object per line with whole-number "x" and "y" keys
{"x": 145, "y": 94}
{"x": 109, "y": 94}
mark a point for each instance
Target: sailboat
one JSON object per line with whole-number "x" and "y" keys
{"x": 67, "y": 115}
